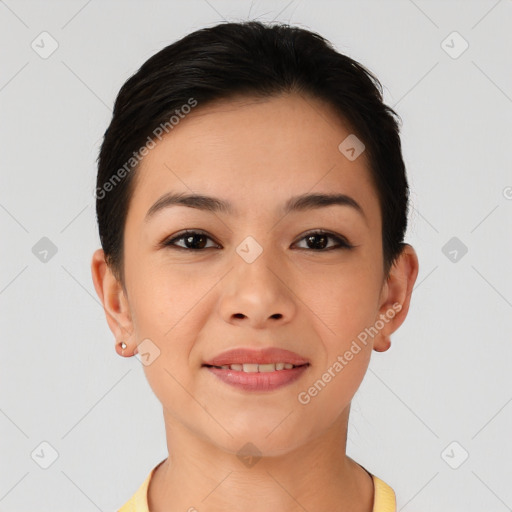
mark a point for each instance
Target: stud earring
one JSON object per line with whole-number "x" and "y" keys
{"x": 123, "y": 345}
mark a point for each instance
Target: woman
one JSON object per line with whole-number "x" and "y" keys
{"x": 252, "y": 202}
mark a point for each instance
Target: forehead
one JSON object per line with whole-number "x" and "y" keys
{"x": 266, "y": 150}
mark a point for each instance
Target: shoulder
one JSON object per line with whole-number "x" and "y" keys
{"x": 139, "y": 501}
{"x": 384, "y": 497}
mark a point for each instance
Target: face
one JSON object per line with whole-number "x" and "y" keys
{"x": 254, "y": 275}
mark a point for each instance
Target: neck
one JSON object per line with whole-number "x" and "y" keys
{"x": 314, "y": 476}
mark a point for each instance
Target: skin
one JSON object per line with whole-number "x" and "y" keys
{"x": 195, "y": 305}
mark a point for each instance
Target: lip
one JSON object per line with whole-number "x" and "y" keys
{"x": 257, "y": 356}
{"x": 259, "y": 381}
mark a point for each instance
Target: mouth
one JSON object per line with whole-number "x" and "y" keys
{"x": 257, "y": 369}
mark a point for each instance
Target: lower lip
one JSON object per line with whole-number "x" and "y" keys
{"x": 258, "y": 381}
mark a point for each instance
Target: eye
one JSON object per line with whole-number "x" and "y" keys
{"x": 197, "y": 241}
{"x": 193, "y": 240}
{"x": 319, "y": 240}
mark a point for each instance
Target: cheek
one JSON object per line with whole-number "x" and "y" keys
{"x": 347, "y": 353}
{"x": 166, "y": 311}
{"x": 348, "y": 310}
{"x": 168, "y": 306}
{"x": 163, "y": 297}
{"x": 348, "y": 301}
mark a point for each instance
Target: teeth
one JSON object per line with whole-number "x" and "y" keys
{"x": 269, "y": 367}
{"x": 253, "y": 367}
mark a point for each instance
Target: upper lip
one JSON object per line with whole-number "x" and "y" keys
{"x": 258, "y": 356}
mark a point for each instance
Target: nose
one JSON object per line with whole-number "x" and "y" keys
{"x": 258, "y": 294}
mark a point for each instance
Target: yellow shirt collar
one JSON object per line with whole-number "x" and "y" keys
{"x": 384, "y": 499}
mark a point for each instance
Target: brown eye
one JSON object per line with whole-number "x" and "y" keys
{"x": 319, "y": 240}
{"x": 193, "y": 241}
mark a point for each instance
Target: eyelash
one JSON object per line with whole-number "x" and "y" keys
{"x": 342, "y": 243}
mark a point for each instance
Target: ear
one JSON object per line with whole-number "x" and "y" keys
{"x": 396, "y": 296}
{"x": 113, "y": 298}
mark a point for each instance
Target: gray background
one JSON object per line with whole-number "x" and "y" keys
{"x": 446, "y": 377}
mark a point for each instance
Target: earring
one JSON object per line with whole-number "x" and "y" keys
{"x": 123, "y": 345}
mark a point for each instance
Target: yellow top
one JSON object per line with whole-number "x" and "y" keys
{"x": 383, "y": 500}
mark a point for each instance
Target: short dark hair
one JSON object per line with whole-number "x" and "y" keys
{"x": 256, "y": 60}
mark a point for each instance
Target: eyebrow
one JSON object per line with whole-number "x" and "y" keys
{"x": 303, "y": 202}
